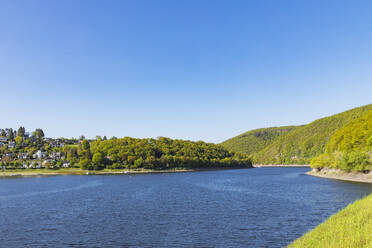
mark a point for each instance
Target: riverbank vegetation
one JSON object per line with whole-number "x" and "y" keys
{"x": 351, "y": 228}
{"x": 21, "y": 150}
{"x": 158, "y": 154}
{"x": 294, "y": 144}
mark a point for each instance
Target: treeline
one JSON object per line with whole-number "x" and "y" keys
{"x": 157, "y": 154}
{"x": 350, "y": 148}
{"x": 294, "y": 144}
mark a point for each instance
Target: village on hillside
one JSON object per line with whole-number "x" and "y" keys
{"x": 21, "y": 149}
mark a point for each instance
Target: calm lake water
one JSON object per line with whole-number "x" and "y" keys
{"x": 263, "y": 207}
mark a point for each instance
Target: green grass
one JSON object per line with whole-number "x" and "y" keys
{"x": 351, "y": 227}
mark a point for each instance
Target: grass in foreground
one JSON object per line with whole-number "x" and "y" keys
{"x": 351, "y": 227}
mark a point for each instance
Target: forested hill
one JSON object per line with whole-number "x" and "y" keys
{"x": 253, "y": 141}
{"x": 299, "y": 144}
{"x": 350, "y": 148}
{"x": 157, "y": 154}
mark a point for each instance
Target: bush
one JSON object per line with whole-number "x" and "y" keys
{"x": 116, "y": 166}
{"x": 322, "y": 161}
{"x": 357, "y": 161}
{"x": 84, "y": 163}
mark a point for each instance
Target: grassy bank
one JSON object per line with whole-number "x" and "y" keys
{"x": 78, "y": 171}
{"x": 351, "y": 227}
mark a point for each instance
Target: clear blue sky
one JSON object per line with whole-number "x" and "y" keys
{"x": 199, "y": 70}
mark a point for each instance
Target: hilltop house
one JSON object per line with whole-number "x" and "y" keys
{"x": 48, "y": 160}
{"x": 56, "y": 155}
{"x": 3, "y": 139}
{"x": 11, "y": 144}
{"x": 39, "y": 154}
{"x": 22, "y": 156}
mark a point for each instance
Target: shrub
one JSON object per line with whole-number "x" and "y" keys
{"x": 321, "y": 161}
{"x": 355, "y": 161}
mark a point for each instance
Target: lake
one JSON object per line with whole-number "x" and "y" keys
{"x": 262, "y": 207}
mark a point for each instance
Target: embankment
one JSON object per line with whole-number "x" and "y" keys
{"x": 342, "y": 175}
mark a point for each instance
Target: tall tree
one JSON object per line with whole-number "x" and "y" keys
{"x": 10, "y": 134}
{"x": 85, "y": 145}
{"x": 38, "y": 133}
{"x": 21, "y": 132}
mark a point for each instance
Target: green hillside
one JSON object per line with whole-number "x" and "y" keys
{"x": 253, "y": 141}
{"x": 298, "y": 145}
{"x": 353, "y": 136}
{"x": 349, "y": 148}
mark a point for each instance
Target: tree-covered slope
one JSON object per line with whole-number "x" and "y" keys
{"x": 255, "y": 140}
{"x": 157, "y": 154}
{"x": 353, "y": 136}
{"x": 300, "y": 144}
{"x": 349, "y": 148}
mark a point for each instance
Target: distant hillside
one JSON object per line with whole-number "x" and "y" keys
{"x": 299, "y": 144}
{"x": 253, "y": 141}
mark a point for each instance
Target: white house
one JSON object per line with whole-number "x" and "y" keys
{"x": 3, "y": 139}
{"x": 39, "y": 154}
{"x": 22, "y": 156}
{"x": 55, "y": 155}
{"x": 66, "y": 165}
{"x": 11, "y": 144}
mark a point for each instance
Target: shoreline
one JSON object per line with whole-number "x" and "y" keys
{"x": 342, "y": 175}
{"x": 79, "y": 172}
{"x": 281, "y": 165}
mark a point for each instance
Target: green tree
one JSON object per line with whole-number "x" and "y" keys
{"x": 98, "y": 161}
{"x": 84, "y": 164}
{"x": 38, "y": 133}
{"x": 85, "y": 145}
{"x": 10, "y": 134}
{"x": 19, "y": 140}
{"x": 21, "y": 132}
{"x": 369, "y": 142}
{"x": 97, "y": 158}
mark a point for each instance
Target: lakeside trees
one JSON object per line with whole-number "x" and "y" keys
{"x": 131, "y": 153}
{"x": 349, "y": 148}
{"x": 157, "y": 154}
